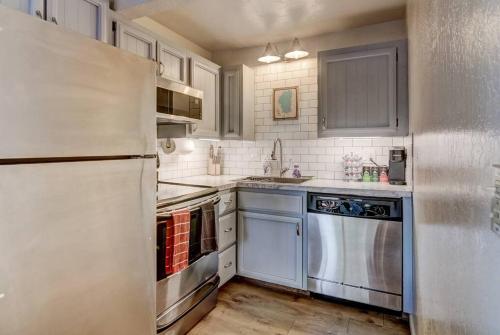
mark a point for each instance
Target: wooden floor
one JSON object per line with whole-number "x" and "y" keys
{"x": 245, "y": 308}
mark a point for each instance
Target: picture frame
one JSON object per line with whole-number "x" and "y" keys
{"x": 286, "y": 103}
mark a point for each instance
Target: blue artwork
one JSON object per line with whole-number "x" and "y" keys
{"x": 285, "y": 103}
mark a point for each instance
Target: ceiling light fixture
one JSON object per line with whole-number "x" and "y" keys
{"x": 270, "y": 55}
{"x": 296, "y": 50}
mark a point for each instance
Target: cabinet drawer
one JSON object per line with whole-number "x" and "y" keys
{"x": 227, "y": 230}
{"x": 284, "y": 203}
{"x": 227, "y": 265}
{"x": 227, "y": 203}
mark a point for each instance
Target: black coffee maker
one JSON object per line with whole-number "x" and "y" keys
{"x": 397, "y": 166}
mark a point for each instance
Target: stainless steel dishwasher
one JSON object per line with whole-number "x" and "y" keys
{"x": 355, "y": 248}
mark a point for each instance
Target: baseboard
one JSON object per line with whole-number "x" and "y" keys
{"x": 412, "y": 325}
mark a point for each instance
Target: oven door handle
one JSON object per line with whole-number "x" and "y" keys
{"x": 215, "y": 200}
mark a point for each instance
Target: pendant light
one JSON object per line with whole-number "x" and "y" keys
{"x": 296, "y": 50}
{"x": 270, "y": 55}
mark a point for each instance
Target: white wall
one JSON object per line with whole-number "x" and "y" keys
{"x": 455, "y": 111}
{"x": 387, "y": 31}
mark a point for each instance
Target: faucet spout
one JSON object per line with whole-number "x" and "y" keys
{"x": 273, "y": 156}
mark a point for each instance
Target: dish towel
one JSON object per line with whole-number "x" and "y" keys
{"x": 181, "y": 226}
{"x": 208, "y": 234}
{"x": 169, "y": 245}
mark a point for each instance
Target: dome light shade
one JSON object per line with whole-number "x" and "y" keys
{"x": 270, "y": 55}
{"x": 296, "y": 51}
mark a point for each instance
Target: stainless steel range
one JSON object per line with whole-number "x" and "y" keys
{"x": 183, "y": 298}
{"x": 355, "y": 248}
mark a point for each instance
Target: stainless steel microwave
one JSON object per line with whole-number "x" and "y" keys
{"x": 177, "y": 103}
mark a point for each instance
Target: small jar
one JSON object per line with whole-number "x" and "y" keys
{"x": 296, "y": 171}
{"x": 375, "y": 174}
{"x": 384, "y": 174}
{"x": 366, "y": 175}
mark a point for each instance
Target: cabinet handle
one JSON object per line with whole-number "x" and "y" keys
{"x": 228, "y": 265}
{"x": 162, "y": 68}
{"x": 229, "y": 202}
{"x": 39, "y": 14}
{"x": 54, "y": 20}
{"x": 227, "y": 230}
{"x": 297, "y": 227}
{"x": 323, "y": 122}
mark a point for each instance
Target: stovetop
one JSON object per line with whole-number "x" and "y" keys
{"x": 171, "y": 193}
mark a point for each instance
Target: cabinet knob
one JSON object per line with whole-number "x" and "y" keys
{"x": 228, "y": 265}
{"x": 39, "y": 14}
{"x": 227, "y": 230}
{"x": 54, "y": 20}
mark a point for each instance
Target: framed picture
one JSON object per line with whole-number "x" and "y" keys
{"x": 285, "y": 103}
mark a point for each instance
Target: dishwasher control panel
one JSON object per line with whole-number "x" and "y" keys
{"x": 354, "y": 206}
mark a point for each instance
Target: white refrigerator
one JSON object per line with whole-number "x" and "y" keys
{"x": 77, "y": 183}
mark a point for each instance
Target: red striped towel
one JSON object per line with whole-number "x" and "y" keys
{"x": 169, "y": 245}
{"x": 180, "y": 254}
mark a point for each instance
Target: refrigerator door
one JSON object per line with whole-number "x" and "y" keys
{"x": 77, "y": 248}
{"x": 65, "y": 95}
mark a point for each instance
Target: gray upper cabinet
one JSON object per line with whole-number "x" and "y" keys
{"x": 205, "y": 76}
{"x": 238, "y": 103}
{"x": 135, "y": 40}
{"x": 87, "y": 17}
{"x": 172, "y": 63}
{"x": 363, "y": 91}
{"x": 32, "y": 7}
{"x": 270, "y": 248}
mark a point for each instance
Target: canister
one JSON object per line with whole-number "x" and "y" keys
{"x": 384, "y": 174}
{"x": 366, "y": 173}
{"x": 375, "y": 174}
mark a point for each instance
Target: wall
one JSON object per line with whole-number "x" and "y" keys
{"x": 455, "y": 99}
{"x": 387, "y": 31}
{"x": 184, "y": 165}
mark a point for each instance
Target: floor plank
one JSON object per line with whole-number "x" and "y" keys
{"x": 247, "y": 309}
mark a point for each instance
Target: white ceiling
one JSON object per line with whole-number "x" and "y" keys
{"x": 228, "y": 24}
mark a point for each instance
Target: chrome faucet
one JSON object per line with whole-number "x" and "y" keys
{"x": 273, "y": 157}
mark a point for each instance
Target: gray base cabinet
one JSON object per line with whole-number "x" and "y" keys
{"x": 363, "y": 91}
{"x": 226, "y": 237}
{"x": 270, "y": 248}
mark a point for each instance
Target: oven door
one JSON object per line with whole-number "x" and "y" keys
{"x": 177, "y": 103}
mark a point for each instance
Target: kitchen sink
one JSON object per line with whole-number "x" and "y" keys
{"x": 283, "y": 180}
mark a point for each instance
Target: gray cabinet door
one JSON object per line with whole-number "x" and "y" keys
{"x": 172, "y": 63}
{"x": 32, "y": 7}
{"x": 205, "y": 77}
{"x": 363, "y": 91}
{"x": 231, "y": 110}
{"x": 238, "y": 107}
{"x": 270, "y": 248}
{"x": 87, "y": 17}
{"x": 135, "y": 41}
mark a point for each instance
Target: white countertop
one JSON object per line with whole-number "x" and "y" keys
{"x": 314, "y": 185}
